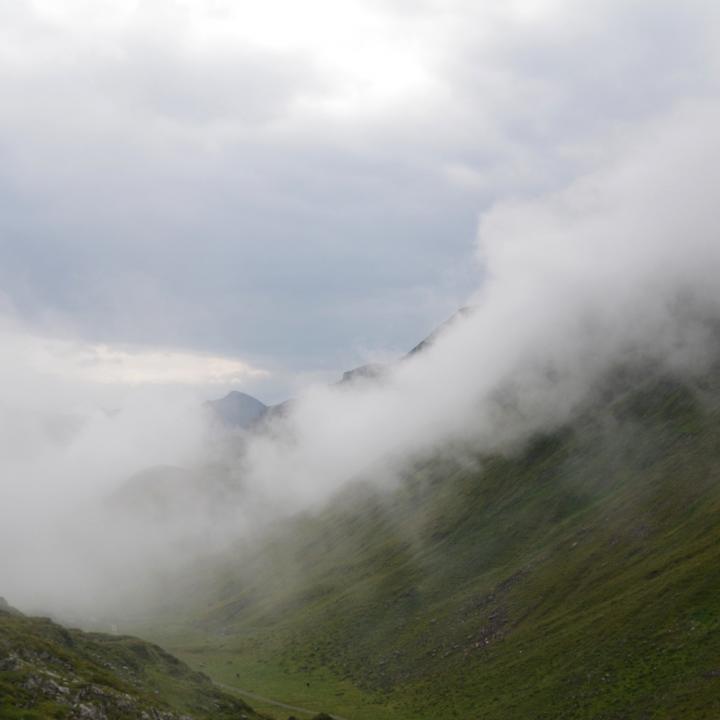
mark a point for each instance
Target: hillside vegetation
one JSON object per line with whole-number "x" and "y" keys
{"x": 48, "y": 671}
{"x": 575, "y": 577}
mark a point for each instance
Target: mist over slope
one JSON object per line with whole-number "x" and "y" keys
{"x": 574, "y": 577}
{"x": 620, "y": 267}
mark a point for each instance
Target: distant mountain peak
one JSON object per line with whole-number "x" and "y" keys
{"x": 237, "y": 409}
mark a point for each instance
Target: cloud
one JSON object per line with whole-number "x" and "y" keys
{"x": 620, "y": 264}
{"x": 105, "y": 364}
{"x": 77, "y": 362}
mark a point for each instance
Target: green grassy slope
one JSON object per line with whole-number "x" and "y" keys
{"x": 578, "y": 578}
{"x": 47, "y": 671}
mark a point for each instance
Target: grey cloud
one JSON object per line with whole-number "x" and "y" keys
{"x": 244, "y": 87}
{"x": 144, "y": 181}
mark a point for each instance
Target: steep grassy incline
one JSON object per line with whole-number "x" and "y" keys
{"x": 578, "y": 578}
{"x": 47, "y": 671}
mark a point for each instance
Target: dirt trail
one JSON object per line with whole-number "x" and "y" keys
{"x": 261, "y": 698}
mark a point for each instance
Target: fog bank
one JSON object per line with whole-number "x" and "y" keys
{"x": 621, "y": 264}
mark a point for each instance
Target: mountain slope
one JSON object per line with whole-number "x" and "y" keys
{"x": 574, "y": 578}
{"x": 47, "y": 671}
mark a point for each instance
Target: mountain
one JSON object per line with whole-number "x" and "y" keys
{"x": 48, "y": 671}
{"x": 237, "y": 409}
{"x": 574, "y": 577}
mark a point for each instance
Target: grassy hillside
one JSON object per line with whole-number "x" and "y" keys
{"x": 47, "y": 671}
{"x": 575, "y": 578}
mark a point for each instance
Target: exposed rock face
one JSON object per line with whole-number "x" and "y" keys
{"x": 80, "y": 700}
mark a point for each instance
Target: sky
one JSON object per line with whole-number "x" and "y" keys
{"x": 233, "y": 194}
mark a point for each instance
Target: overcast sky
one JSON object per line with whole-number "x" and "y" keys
{"x": 266, "y": 191}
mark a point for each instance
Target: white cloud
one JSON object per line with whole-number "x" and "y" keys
{"x": 75, "y": 363}
{"x": 621, "y": 263}
{"x": 83, "y": 362}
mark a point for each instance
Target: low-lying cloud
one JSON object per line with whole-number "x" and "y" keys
{"x": 619, "y": 265}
